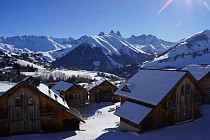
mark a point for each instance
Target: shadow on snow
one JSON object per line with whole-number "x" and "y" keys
{"x": 44, "y": 136}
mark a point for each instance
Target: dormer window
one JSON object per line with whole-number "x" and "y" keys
{"x": 126, "y": 89}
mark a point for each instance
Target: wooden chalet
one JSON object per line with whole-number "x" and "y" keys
{"x": 154, "y": 98}
{"x": 102, "y": 91}
{"x": 74, "y": 94}
{"x": 31, "y": 107}
{"x": 202, "y": 75}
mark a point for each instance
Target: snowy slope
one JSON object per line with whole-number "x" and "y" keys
{"x": 25, "y": 63}
{"x": 193, "y": 50}
{"x": 35, "y": 43}
{"x": 50, "y": 48}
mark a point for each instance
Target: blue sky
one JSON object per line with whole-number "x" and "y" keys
{"x": 74, "y": 18}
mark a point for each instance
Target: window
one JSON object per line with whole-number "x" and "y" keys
{"x": 30, "y": 101}
{"x": 17, "y": 101}
{"x": 126, "y": 89}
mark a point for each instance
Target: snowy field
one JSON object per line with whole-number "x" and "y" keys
{"x": 101, "y": 125}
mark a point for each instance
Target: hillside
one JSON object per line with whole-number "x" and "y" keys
{"x": 48, "y": 47}
{"x": 193, "y": 50}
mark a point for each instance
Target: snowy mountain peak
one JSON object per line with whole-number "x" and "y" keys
{"x": 101, "y": 34}
{"x": 207, "y": 32}
{"x": 143, "y": 39}
{"x": 118, "y": 33}
{"x": 203, "y": 35}
{"x": 150, "y": 44}
{"x": 193, "y": 50}
{"x": 112, "y": 32}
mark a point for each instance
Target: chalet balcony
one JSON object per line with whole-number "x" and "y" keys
{"x": 3, "y": 114}
{"x": 46, "y": 112}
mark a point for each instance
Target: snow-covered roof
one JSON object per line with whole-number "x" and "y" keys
{"x": 62, "y": 86}
{"x": 96, "y": 83}
{"x": 150, "y": 86}
{"x": 4, "y": 86}
{"x": 50, "y": 93}
{"x": 198, "y": 71}
{"x": 133, "y": 112}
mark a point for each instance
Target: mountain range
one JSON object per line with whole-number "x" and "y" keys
{"x": 100, "y": 52}
{"x": 111, "y": 52}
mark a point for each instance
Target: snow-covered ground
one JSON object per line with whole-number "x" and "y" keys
{"x": 101, "y": 124}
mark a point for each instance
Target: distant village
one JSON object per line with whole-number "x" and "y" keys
{"x": 150, "y": 99}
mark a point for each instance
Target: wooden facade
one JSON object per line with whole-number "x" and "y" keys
{"x": 24, "y": 109}
{"x": 205, "y": 84}
{"x": 201, "y": 72}
{"x": 180, "y": 105}
{"x": 104, "y": 92}
{"x": 75, "y": 96}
